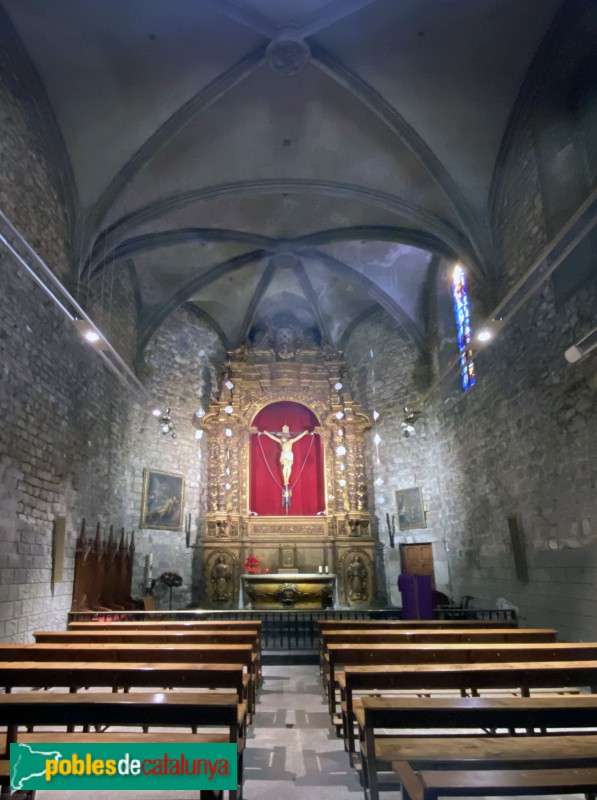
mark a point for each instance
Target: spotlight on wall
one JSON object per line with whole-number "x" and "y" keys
{"x": 90, "y": 334}
{"x": 485, "y": 335}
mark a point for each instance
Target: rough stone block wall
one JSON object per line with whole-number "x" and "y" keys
{"x": 64, "y": 419}
{"x": 63, "y": 416}
{"x": 522, "y": 444}
{"x": 386, "y": 373}
{"x": 180, "y": 378}
{"x": 110, "y": 302}
{"x": 520, "y": 231}
{"x": 27, "y": 195}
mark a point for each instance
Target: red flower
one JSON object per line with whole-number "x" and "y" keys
{"x": 252, "y": 565}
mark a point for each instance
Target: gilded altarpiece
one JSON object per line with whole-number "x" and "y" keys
{"x": 338, "y": 537}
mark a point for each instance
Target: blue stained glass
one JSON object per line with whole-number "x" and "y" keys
{"x": 463, "y": 328}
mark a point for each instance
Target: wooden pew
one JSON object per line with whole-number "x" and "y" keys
{"x": 124, "y": 675}
{"x": 391, "y": 636}
{"x": 252, "y": 627}
{"x": 342, "y": 655}
{"x": 414, "y": 624}
{"x": 406, "y": 636}
{"x": 530, "y": 772}
{"x": 461, "y": 678}
{"x": 152, "y": 637}
{"x": 457, "y": 715}
{"x": 196, "y": 710}
{"x": 169, "y": 625}
{"x": 117, "y": 653}
{"x": 146, "y": 637}
{"x": 462, "y": 635}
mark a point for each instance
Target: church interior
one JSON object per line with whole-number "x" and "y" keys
{"x": 298, "y": 353}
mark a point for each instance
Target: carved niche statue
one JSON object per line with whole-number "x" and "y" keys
{"x": 356, "y": 579}
{"x": 221, "y": 580}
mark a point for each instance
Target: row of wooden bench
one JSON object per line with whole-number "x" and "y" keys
{"x": 212, "y": 656}
{"x": 376, "y": 678}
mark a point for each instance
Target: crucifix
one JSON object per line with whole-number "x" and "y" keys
{"x": 285, "y": 439}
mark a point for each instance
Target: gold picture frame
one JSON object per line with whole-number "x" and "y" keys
{"x": 411, "y": 511}
{"x": 162, "y": 501}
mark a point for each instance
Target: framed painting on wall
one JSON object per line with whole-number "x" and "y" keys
{"x": 162, "y": 500}
{"x": 411, "y": 512}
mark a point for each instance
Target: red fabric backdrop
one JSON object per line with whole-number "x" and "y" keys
{"x": 266, "y": 494}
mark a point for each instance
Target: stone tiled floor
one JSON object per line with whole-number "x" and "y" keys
{"x": 292, "y": 753}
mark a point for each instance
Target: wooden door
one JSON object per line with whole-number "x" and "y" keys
{"x": 417, "y": 559}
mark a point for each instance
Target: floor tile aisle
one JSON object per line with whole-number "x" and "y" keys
{"x": 293, "y": 753}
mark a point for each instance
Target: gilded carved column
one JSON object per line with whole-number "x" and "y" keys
{"x": 351, "y": 446}
{"x": 221, "y": 455}
{"x": 212, "y": 471}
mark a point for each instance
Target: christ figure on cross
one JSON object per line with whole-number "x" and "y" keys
{"x": 285, "y": 440}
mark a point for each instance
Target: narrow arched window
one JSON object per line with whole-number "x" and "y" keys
{"x": 463, "y": 327}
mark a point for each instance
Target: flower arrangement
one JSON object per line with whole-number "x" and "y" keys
{"x": 252, "y": 566}
{"x": 171, "y": 579}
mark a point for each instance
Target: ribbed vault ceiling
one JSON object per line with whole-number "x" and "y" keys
{"x": 232, "y": 185}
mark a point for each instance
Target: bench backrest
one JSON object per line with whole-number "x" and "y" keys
{"x": 115, "y": 652}
{"x": 416, "y": 624}
{"x": 514, "y": 675}
{"x": 147, "y": 637}
{"x": 565, "y": 711}
{"x": 450, "y": 637}
{"x": 135, "y": 674}
{"x": 180, "y": 709}
{"x": 165, "y": 625}
{"x": 353, "y": 654}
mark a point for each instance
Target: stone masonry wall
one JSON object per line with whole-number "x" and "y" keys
{"x": 110, "y": 302}
{"x": 520, "y": 229}
{"x": 181, "y": 379}
{"x": 63, "y": 416}
{"x": 27, "y": 196}
{"x": 521, "y": 443}
{"x": 386, "y": 373}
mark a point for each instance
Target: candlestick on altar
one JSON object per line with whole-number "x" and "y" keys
{"x": 391, "y": 528}
{"x": 148, "y": 570}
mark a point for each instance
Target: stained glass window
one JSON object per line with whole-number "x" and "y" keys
{"x": 463, "y": 328}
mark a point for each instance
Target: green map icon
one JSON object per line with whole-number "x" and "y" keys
{"x": 27, "y": 763}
